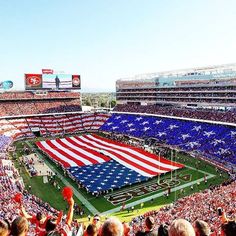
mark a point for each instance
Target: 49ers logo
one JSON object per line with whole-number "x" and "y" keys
{"x": 33, "y": 81}
{"x": 76, "y": 80}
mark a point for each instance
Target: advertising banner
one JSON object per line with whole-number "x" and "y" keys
{"x": 8, "y": 84}
{"x": 47, "y": 71}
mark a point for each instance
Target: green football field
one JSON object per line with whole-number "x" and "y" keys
{"x": 126, "y": 202}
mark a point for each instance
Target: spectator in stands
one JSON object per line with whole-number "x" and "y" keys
{"x": 150, "y": 231}
{"x": 4, "y": 228}
{"x": 96, "y": 220}
{"x": 126, "y": 229}
{"x": 112, "y": 227}
{"x": 40, "y": 220}
{"x": 229, "y": 228}
{"x": 163, "y": 230}
{"x": 91, "y": 230}
{"x": 66, "y": 230}
{"x": 19, "y": 227}
{"x": 181, "y": 227}
{"x": 202, "y": 228}
{"x": 97, "y": 223}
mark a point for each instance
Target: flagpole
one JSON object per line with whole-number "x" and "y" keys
{"x": 175, "y": 156}
{"x": 158, "y": 180}
{"x": 171, "y": 156}
{"x": 64, "y": 125}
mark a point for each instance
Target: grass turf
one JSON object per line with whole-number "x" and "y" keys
{"x": 50, "y": 194}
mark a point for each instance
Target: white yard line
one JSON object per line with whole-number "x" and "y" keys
{"x": 90, "y": 207}
{"x": 146, "y": 199}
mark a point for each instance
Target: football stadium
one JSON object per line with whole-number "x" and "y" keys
{"x": 167, "y": 150}
{"x": 118, "y": 118}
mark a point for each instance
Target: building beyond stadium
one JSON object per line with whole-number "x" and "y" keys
{"x": 213, "y": 87}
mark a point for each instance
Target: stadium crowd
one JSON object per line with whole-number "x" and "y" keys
{"x": 37, "y": 95}
{"x": 20, "y": 208}
{"x": 18, "y": 103}
{"x": 193, "y": 208}
{"x": 204, "y": 114}
{"x": 191, "y": 88}
{"x": 39, "y": 107}
{"x": 15, "y": 129}
{"x": 15, "y": 215}
{"x": 198, "y": 206}
{"x": 179, "y": 219}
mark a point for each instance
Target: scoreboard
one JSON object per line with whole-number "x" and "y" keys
{"x": 52, "y": 81}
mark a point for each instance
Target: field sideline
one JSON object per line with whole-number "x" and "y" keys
{"x": 142, "y": 197}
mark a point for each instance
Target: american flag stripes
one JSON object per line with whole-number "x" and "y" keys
{"x": 100, "y": 164}
{"x": 93, "y": 149}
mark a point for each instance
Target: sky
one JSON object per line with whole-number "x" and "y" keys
{"x": 105, "y": 40}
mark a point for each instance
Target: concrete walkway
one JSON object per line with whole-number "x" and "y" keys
{"x": 90, "y": 207}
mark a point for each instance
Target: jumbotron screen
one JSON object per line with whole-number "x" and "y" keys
{"x": 52, "y": 81}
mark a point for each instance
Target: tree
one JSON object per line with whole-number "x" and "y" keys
{"x": 103, "y": 104}
{"x": 113, "y": 103}
{"x": 88, "y": 102}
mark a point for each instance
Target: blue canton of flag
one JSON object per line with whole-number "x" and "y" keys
{"x": 105, "y": 176}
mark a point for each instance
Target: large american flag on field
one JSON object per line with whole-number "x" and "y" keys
{"x": 91, "y": 154}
